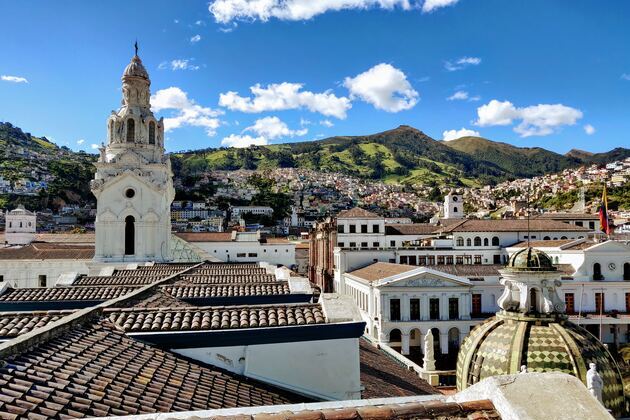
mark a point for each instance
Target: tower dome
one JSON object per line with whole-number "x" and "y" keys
{"x": 136, "y": 69}
{"x": 532, "y": 330}
{"x": 530, "y": 259}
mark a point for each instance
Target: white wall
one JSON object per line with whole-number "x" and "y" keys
{"x": 25, "y": 273}
{"x": 283, "y": 254}
{"x": 327, "y": 369}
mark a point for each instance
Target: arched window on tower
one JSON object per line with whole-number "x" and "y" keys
{"x": 130, "y": 235}
{"x": 597, "y": 272}
{"x": 626, "y": 271}
{"x": 151, "y": 132}
{"x": 495, "y": 241}
{"x": 131, "y": 130}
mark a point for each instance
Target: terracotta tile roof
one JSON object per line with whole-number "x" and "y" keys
{"x": 229, "y": 272}
{"x": 511, "y": 225}
{"x": 410, "y": 229}
{"x": 205, "y": 236}
{"x": 581, "y": 245}
{"x": 381, "y": 270}
{"x": 48, "y": 251}
{"x": 477, "y": 270}
{"x": 382, "y": 376}
{"x": 59, "y": 238}
{"x": 95, "y": 370}
{"x": 228, "y": 290}
{"x": 426, "y": 410}
{"x": 13, "y": 324}
{"x": 48, "y": 294}
{"x": 357, "y": 213}
{"x": 567, "y": 216}
{"x": 277, "y": 241}
{"x": 226, "y": 278}
{"x": 155, "y": 299}
{"x": 115, "y": 281}
{"x": 216, "y": 318}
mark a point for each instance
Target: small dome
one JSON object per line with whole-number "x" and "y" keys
{"x": 501, "y": 344}
{"x": 530, "y": 259}
{"x": 136, "y": 69}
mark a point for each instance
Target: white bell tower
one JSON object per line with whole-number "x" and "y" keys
{"x": 454, "y": 206}
{"x": 133, "y": 184}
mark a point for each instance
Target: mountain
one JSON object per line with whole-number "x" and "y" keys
{"x": 24, "y": 157}
{"x": 579, "y": 154}
{"x": 521, "y": 162}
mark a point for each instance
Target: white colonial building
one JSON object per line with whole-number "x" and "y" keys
{"x": 133, "y": 183}
{"x": 20, "y": 226}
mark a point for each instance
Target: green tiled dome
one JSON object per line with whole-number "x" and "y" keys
{"x": 530, "y": 259}
{"x": 501, "y": 344}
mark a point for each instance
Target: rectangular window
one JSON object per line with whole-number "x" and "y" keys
{"x": 340, "y": 229}
{"x": 449, "y": 260}
{"x": 431, "y": 260}
{"x": 600, "y": 303}
{"x": 453, "y": 308}
{"x": 392, "y": 260}
{"x": 459, "y": 260}
{"x": 422, "y": 260}
{"x": 375, "y": 244}
{"x": 476, "y": 304}
{"x": 392, "y": 244}
{"x": 376, "y": 229}
{"x": 440, "y": 259}
{"x": 434, "y": 308}
{"x": 252, "y": 255}
{"x": 353, "y": 244}
{"x": 340, "y": 244}
{"x": 394, "y": 309}
{"x": 364, "y": 245}
{"x": 353, "y": 229}
{"x": 496, "y": 259}
{"x": 628, "y": 302}
{"x": 364, "y": 228}
{"x": 569, "y": 300}
{"x": 412, "y": 260}
{"x": 477, "y": 259}
{"x": 578, "y": 224}
{"x": 414, "y": 310}
{"x": 404, "y": 259}
{"x": 241, "y": 255}
{"x": 591, "y": 225}
{"x": 467, "y": 259}
{"x": 42, "y": 280}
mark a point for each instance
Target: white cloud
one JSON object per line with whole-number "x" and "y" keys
{"x": 200, "y": 23}
{"x": 460, "y": 95}
{"x": 80, "y": 141}
{"x": 195, "y": 39}
{"x": 284, "y": 96}
{"x": 462, "y": 63}
{"x": 186, "y": 111}
{"x": 179, "y": 64}
{"x": 383, "y": 86}
{"x": 625, "y": 76}
{"x": 225, "y": 11}
{"x": 537, "y": 120}
{"x": 94, "y": 146}
{"x": 272, "y": 127}
{"x": 456, "y": 134}
{"x": 304, "y": 122}
{"x": 326, "y": 123}
{"x": 13, "y": 79}
{"x": 234, "y": 140}
{"x": 431, "y": 5}
{"x": 589, "y": 129}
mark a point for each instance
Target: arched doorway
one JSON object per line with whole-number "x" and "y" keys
{"x": 437, "y": 350}
{"x": 130, "y": 235}
{"x": 453, "y": 341}
{"x": 395, "y": 339}
{"x": 415, "y": 345}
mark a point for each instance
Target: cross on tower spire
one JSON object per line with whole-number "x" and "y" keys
{"x": 136, "y": 46}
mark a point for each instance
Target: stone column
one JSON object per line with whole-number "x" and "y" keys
{"x": 461, "y": 304}
{"x": 405, "y": 344}
{"x": 444, "y": 307}
{"x": 404, "y": 307}
{"x": 424, "y": 307}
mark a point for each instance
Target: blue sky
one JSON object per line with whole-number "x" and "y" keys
{"x": 544, "y": 73}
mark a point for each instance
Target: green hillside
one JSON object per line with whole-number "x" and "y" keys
{"x": 521, "y": 162}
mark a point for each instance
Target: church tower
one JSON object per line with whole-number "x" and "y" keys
{"x": 454, "y": 206}
{"x": 133, "y": 184}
